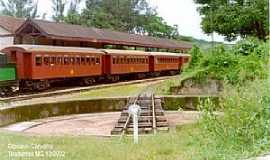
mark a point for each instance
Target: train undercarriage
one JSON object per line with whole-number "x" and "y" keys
{"x": 43, "y": 85}
{"x": 8, "y": 88}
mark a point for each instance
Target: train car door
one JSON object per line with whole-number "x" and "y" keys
{"x": 27, "y": 59}
{"x": 106, "y": 65}
{"x": 151, "y": 63}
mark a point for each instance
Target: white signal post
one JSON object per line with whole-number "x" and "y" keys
{"x": 135, "y": 110}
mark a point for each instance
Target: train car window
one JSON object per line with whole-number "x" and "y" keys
{"x": 78, "y": 60}
{"x": 120, "y": 60}
{"x": 88, "y": 61}
{"x": 97, "y": 60}
{"x": 66, "y": 61}
{"x": 38, "y": 60}
{"x": 59, "y": 60}
{"x": 83, "y": 60}
{"x": 72, "y": 60}
{"x": 113, "y": 60}
{"x": 53, "y": 60}
{"x": 50, "y": 60}
{"x": 46, "y": 60}
{"x": 3, "y": 59}
{"x": 93, "y": 60}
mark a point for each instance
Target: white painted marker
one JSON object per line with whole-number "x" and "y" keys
{"x": 135, "y": 111}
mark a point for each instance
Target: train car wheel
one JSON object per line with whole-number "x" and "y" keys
{"x": 141, "y": 75}
{"x": 173, "y": 73}
{"x": 89, "y": 81}
{"x": 42, "y": 85}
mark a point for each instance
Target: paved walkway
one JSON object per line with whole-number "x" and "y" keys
{"x": 97, "y": 124}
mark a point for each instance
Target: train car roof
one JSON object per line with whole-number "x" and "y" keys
{"x": 167, "y": 54}
{"x": 185, "y": 55}
{"x": 45, "y": 48}
{"x": 125, "y": 52}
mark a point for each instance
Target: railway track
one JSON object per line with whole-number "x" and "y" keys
{"x": 151, "y": 119}
{"x": 80, "y": 89}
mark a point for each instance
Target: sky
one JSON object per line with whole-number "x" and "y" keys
{"x": 181, "y": 12}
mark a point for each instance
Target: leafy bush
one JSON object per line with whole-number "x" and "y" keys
{"x": 246, "y": 61}
{"x": 245, "y": 122}
{"x": 196, "y": 55}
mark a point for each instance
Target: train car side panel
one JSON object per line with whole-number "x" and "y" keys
{"x": 129, "y": 64}
{"x": 166, "y": 63}
{"x": 66, "y": 65}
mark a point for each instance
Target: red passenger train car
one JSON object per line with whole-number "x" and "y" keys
{"x": 40, "y": 66}
{"x": 126, "y": 62}
{"x": 165, "y": 62}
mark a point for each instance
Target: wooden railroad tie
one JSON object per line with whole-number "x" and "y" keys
{"x": 151, "y": 119}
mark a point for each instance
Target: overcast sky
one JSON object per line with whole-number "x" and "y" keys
{"x": 180, "y": 12}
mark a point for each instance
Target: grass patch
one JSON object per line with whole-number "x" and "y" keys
{"x": 127, "y": 90}
{"x": 163, "y": 88}
{"x": 188, "y": 142}
{"x": 171, "y": 146}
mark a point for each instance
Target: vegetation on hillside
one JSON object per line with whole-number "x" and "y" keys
{"x": 245, "y": 61}
{"x": 243, "y": 128}
{"x": 244, "y": 125}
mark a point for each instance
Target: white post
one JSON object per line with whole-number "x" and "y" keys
{"x": 135, "y": 110}
{"x": 135, "y": 127}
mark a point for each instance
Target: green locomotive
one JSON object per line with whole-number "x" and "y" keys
{"x": 8, "y": 79}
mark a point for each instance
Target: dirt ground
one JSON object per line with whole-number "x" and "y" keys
{"x": 96, "y": 124}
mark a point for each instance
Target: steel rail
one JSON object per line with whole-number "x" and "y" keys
{"x": 80, "y": 89}
{"x": 154, "y": 114}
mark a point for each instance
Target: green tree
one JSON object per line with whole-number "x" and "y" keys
{"x": 233, "y": 18}
{"x": 19, "y": 8}
{"x": 73, "y": 16}
{"x": 154, "y": 25}
{"x": 58, "y": 10}
{"x": 133, "y": 16}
